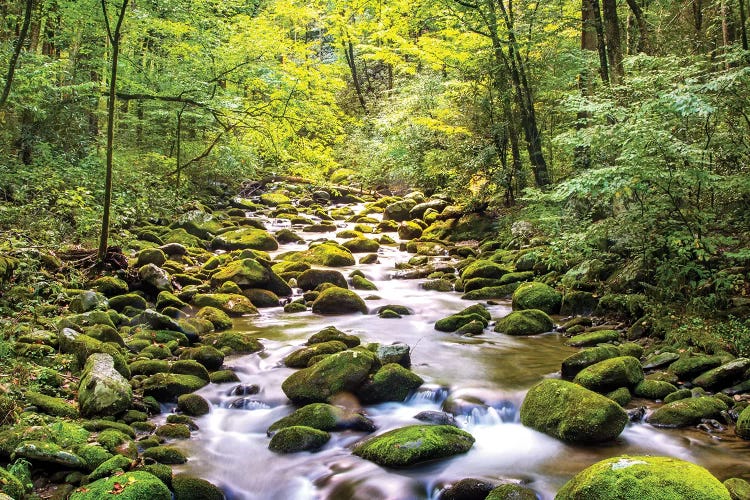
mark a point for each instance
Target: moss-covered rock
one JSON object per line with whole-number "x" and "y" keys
{"x": 362, "y": 283}
{"x": 312, "y": 278}
{"x": 399, "y": 211}
{"x": 117, "y": 463}
{"x": 207, "y": 355}
{"x": 723, "y": 376}
{"x": 218, "y": 318}
{"x": 189, "y": 367}
{"x": 510, "y": 491}
{"x": 223, "y": 377}
{"x": 301, "y": 357}
{"x": 526, "y": 322}
{"x": 587, "y": 357}
{"x": 168, "y": 455}
{"x": 103, "y": 390}
{"x": 738, "y": 488}
{"x": 166, "y": 387}
{"x": 686, "y": 412}
{"x": 392, "y": 382}
{"x": 593, "y": 338}
{"x": 151, "y": 256}
{"x": 572, "y": 413}
{"x": 341, "y": 372}
{"x": 657, "y": 478}
{"x": 483, "y": 269}
{"x": 654, "y": 389}
{"x": 135, "y": 485}
{"x": 325, "y": 254}
{"x": 324, "y": 417}
{"x": 233, "y": 342}
{"x": 689, "y": 367}
{"x": 414, "y": 444}
{"x": 678, "y": 395}
{"x": 361, "y": 244}
{"x": 231, "y": 304}
{"x": 245, "y": 238}
{"x": 10, "y": 485}
{"x": 337, "y": 300}
{"x": 620, "y": 396}
{"x": 536, "y": 295}
{"x": 330, "y": 333}
{"x": 193, "y": 405}
{"x": 298, "y": 438}
{"x": 51, "y": 405}
{"x": 743, "y": 424}
{"x": 173, "y": 431}
{"x": 110, "y": 286}
{"x": 607, "y": 375}
{"x": 45, "y": 452}
{"x": 246, "y": 273}
{"x": 492, "y": 292}
{"x": 187, "y": 487}
{"x": 455, "y": 321}
{"x": 167, "y": 299}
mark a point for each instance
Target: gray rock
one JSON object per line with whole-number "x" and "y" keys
{"x": 155, "y": 277}
{"x": 103, "y": 390}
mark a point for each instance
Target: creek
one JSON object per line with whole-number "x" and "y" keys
{"x": 483, "y": 379}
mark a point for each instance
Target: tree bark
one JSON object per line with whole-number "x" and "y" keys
{"x": 614, "y": 41}
{"x": 601, "y": 47}
{"x": 114, "y": 40}
{"x": 743, "y": 24}
{"x": 643, "y": 36}
{"x": 350, "y": 61}
{"x": 17, "y": 52}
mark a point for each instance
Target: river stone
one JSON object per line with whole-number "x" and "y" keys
{"x": 361, "y": 244}
{"x": 298, "y": 438}
{"x": 187, "y": 487}
{"x": 467, "y": 489}
{"x": 593, "y": 338}
{"x": 120, "y": 302}
{"x": 572, "y": 413}
{"x": 310, "y": 279}
{"x": 455, "y": 321}
{"x": 247, "y": 273}
{"x": 418, "y": 210}
{"x": 301, "y": 357}
{"x": 135, "y": 485}
{"x": 414, "y": 444}
{"x": 327, "y": 254}
{"x": 394, "y": 353}
{"x": 511, "y": 491}
{"x": 392, "y": 382}
{"x": 743, "y": 424}
{"x": 337, "y": 300}
{"x": 155, "y": 277}
{"x": 654, "y": 389}
{"x": 723, "y": 376}
{"x": 230, "y": 303}
{"x": 739, "y": 489}
{"x": 653, "y": 478}
{"x": 587, "y": 357}
{"x": 526, "y": 322}
{"x": 686, "y": 412}
{"x": 399, "y": 211}
{"x": 88, "y": 301}
{"x": 166, "y": 387}
{"x": 607, "y": 375}
{"x": 245, "y": 238}
{"x": 324, "y": 417}
{"x": 660, "y": 360}
{"x": 49, "y": 453}
{"x": 103, "y": 391}
{"x": 483, "y": 269}
{"x": 341, "y": 372}
{"x": 156, "y": 321}
{"x": 436, "y": 417}
{"x": 535, "y": 295}
{"x": 330, "y": 333}
{"x": 689, "y": 367}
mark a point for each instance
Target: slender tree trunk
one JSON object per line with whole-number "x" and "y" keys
{"x": 643, "y": 35}
{"x": 743, "y": 24}
{"x": 17, "y": 52}
{"x": 698, "y": 24}
{"x": 350, "y": 61}
{"x": 601, "y": 46}
{"x": 614, "y": 41}
{"x": 114, "y": 40}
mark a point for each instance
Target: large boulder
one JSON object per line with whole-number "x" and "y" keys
{"x": 328, "y": 254}
{"x": 231, "y": 303}
{"x": 653, "y": 478}
{"x": 298, "y": 438}
{"x": 451, "y": 323}
{"x": 155, "y": 278}
{"x": 743, "y": 424}
{"x": 572, "y": 413}
{"x": 536, "y": 295}
{"x": 245, "y": 238}
{"x": 724, "y": 375}
{"x": 414, "y": 444}
{"x": 610, "y": 374}
{"x": 103, "y": 390}
{"x": 526, "y": 322}
{"x": 593, "y": 338}
{"x": 167, "y": 387}
{"x": 337, "y": 300}
{"x": 247, "y": 273}
{"x": 587, "y": 357}
{"x": 310, "y": 279}
{"x": 361, "y": 244}
{"x": 392, "y": 382}
{"x": 301, "y": 357}
{"x": 340, "y": 372}
{"x": 136, "y": 485}
{"x": 483, "y": 269}
{"x": 399, "y": 211}
{"x": 685, "y": 412}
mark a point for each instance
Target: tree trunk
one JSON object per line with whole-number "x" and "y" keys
{"x": 349, "y": 54}
{"x": 614, "y": 43}
{"x": 643, "y": 36}
{"x": 601, "y": 47}
{"x": 114, "y": 39}
{"x": 743, "y": 23}
{"x": 16, "y": 52}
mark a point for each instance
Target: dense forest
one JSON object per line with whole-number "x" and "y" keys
{"x": 607, "y": 143}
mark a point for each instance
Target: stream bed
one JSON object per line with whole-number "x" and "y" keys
{"x": 483, "y": 379}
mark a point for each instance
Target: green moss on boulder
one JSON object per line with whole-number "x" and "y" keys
{"x": 312, "y": 278}
{"x": 415, "y": 444}
{"x": 233, "y": 342}
{"x": 168, "y": 455}
{"x": 330, "y": 333}
{"x": 572, "y": 413}
{"x": 743, "y": 424}
{"x": 218, "y": 318}
{"x": 738, "y": 488}
{"x": 230, "y": 303}
{"x": 337, "y": 300}
{"x": 187, "y": 487}
{"x": 246, "y": 273}
{"x": 166, "y": 387}
{"x": 587, "y": 357}
{"x": 301, "y": 357}
{"x": 324, "y": 417}
{"x": 724, "y": 375}
{"x": 526, "y": 322}
{"x": 654, "y": 389}
{"x": 245, "y": 238}
{"x": 135, "y": 485}
{"x": 193, "y": 405}
{"x": 686, "y": 412}
{"x": 536, "y": 295}
{"x": 607, "y": 375}
{"x": 593, "y": 338}
{"x": 392, "y": 382}
{"x": 298, "y": 438}
{"x": 52, "y": 406}
{"x": 653, "y": 478}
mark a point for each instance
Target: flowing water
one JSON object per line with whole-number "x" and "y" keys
{"x": 484, "y": 377}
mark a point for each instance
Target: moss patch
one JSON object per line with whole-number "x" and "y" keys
{"x": 415, "y": 444}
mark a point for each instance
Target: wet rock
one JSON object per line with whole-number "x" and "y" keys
{"x": 233, "y": 342}
{"x": 218, "y": 318}
{"x": 399, "y": 211}
{"x": 189, "y": 367}
{"x": 654, "y": 389}
{"x": 187, "y": 487}
{"x": 324, "y": 417}
{"x": 678, "y": 395}
{"x": 330, "y": 333}
{"x": 643, "y": 477}
{"x": 723, "y": 376}
{"x": 607, "y": 375}
{"x": 341, "y": 372}
{"x": 436, "y": 418}
{"x": 193, "y": 405}
{"x": 245, "y": 238}
{"x": 483, "y": 269}
{"x": 587, "y": 357}
{"x": 135, "y": 485}
{"x": 409, "y": 230}
{"x": 394, "y": 353}
{"x": 689, "y": 367}
{"x": 298, "y": 438}
{"x": 620, "y": 396}
{"x": 301, "y": 357}
{"x": 336, "y": 300}
{"x": 312, "y": 278}
{"x": 207, "y": 355}
{"x": 327, "y": 254}
{"x": 103, "y": 390}
{"x": 166, "y": 387}
{"x": 247, "y": 273}
{"x": 572, "y": 413}
{"x": 231, "y": 304}
{"x": 155, "y": 277}
{"x": 471, "y": 329}
{"x": 362, "y": 283}
{"x": 687, "y": 412}
{"x": 361, "y": 244}
{"x": 660, "y": 360}
{"x": 455, "y": 321}
{"x": 743, "y": 424}
{"x": 392, "y": 382}
{"x": 593, "y": 338}
{"x": 48, "y": 453}
{"x": 511, "y": 492}
{"x": 467, "y": 489}
{"x": 536, "y": 295}
{"x": 167, "y": 455}
{"x": 738, "y": 488}
{"x": 414, "y": 444}
{"x": 526, "y": 322}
